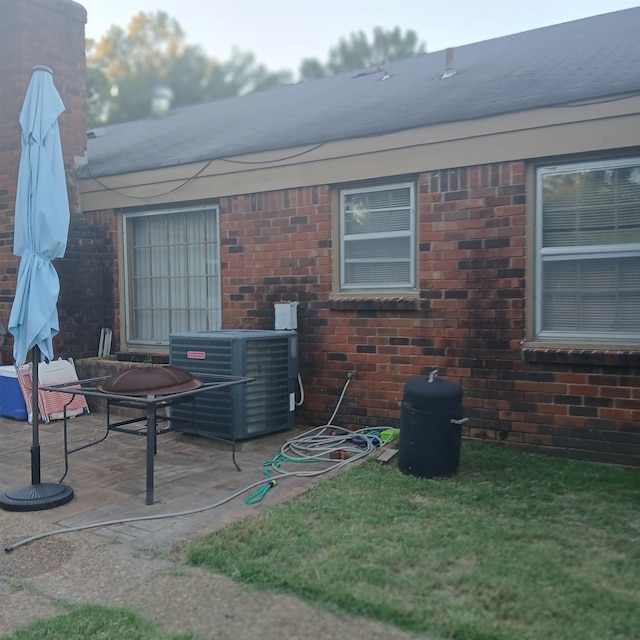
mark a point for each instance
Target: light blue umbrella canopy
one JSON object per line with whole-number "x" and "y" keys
{"x": 41, "y": 219}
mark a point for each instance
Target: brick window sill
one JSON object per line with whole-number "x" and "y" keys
{"x": 377, "y": 304}
{"x": 604, "y": 357}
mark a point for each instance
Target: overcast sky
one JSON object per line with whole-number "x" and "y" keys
{"x": 283, "y": 32}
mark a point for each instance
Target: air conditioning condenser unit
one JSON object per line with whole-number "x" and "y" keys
{"x": 243, "y": 411}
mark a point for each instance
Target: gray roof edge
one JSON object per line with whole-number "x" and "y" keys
{"x": 85, "y": 171}
{"x": 491, "y": 81}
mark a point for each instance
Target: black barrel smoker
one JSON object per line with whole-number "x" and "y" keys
{"x": 430, "y": 427}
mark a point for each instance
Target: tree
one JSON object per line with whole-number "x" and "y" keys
{"x": 125, "y": 68}
{"x": 243, "y": 74}
{"x": 357, "y": 53}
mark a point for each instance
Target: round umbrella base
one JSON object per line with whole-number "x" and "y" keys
{"x": 36, "y": 497}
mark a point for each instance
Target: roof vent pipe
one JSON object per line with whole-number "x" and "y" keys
{"x": 161, "y": 101}
{"x": 449, "y": 70}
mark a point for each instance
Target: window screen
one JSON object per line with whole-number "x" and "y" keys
{"x": 378, "y": 237}
{"x": 588, "y": 251}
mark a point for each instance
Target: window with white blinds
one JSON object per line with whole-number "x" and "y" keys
{"x": 377, "y": 237}
{"x": 588, "y": 251}
{"x": 172, "y": 274}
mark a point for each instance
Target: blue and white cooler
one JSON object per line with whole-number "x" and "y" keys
{"x": 12, "y": 403}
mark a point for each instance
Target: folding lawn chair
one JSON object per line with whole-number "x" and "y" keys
{"x": 51, "y": 404}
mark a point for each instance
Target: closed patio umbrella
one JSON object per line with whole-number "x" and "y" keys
{"x": 40, "y": 235}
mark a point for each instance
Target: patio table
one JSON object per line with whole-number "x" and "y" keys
{"x": 149, "y": 406}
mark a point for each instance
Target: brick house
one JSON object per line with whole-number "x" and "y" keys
{"x": 474, "y": 211}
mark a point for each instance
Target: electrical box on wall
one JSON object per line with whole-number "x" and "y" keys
{"x": 262, "y": 406}
{"x": 286, "y": 316}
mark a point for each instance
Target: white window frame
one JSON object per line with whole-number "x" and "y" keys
{"x": 410, "y": 285}
{"x": 545, "y": 255}
{"x": 213, "y": 269}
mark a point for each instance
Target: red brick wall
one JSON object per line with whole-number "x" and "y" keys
{"x": 102, "y": 227}
{"x": 50, "y": 32}
{"x": 468, "y": 323}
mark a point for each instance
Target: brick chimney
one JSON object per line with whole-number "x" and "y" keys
{"x": 51, "y": 33}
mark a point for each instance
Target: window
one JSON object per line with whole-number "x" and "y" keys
{"x": 377, "y": 237}
{"x": 588, "y": 252}
{"x": 172, "y": 274}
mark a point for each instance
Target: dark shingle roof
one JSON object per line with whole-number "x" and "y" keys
{"x": 587, "y": 59}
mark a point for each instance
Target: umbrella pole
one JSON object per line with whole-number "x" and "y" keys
{"x": 36, "y": 496}
{"x": 35, "y": 417}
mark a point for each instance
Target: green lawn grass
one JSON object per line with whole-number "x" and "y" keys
{"x": 515, "y": 546}
{"x": 91, "y": 622}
